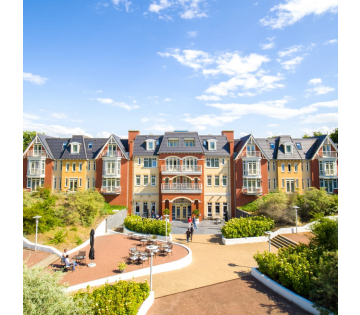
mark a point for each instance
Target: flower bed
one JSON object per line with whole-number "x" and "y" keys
{"x": 142, "y": 225}
{"x": 122, "y": 297}
{"x": 247, "y": 227}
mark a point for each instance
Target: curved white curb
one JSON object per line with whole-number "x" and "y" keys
{"x": 160, "y": 237}
{"x": 146, "y": 304}
{"x": 286, "y": 293}
{"x": 173, "y": 265}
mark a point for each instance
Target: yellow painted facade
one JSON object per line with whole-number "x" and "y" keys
{"x": 287, "y": 173}
{"x": 71, "y": 174}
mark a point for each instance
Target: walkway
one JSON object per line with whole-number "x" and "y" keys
{"x": 300, "y": 237}
{"x": 31, "y": 257}
{"x": 205, "y": 227}
{"x": 241, "y": 296}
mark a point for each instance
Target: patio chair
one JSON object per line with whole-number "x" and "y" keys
{"x": 64, "y": 266}
{"x": 81, "y": 257}
{"x": 168, "y": 251}
{"x": 133, "y": 258}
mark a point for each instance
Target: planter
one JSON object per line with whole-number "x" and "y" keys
{"x": 122, "y": 271}
{"x": 197, "y": 221}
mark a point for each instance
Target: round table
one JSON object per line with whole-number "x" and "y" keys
{"x": 143, "y": 241}
{"x": 133, "y": 249}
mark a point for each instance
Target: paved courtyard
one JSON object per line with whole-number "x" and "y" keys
{"x": 31, "y": 257}
{"x": 205, "y": 227}
{"x": 300, "y": 237}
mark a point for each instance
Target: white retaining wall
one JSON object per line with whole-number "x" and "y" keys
{"x": 286, "y": 293}
{"x": 173, "y": 265}
{"x": 146, "y": 304}
{"x": 258, "y": 239}
{"x": 160, "y": 237}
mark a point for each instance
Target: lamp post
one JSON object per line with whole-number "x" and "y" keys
{"x": 268, "y": 233}
{"x": 166, "y": 221}
{"x": 151, "y": 248}
{"x": 296, "y": 210}
{"x": 37, "y": 221}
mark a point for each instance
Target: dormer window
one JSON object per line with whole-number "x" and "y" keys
{"x": 90, "y": 145}
{"x": 212, "y": 145}
{"x": 173, "y": 142}
{"x": 288, "y": 147}
{"x": 189, "y": 142}
{"x": 75, "y": 148}
{"x": 150, "y": 144}
{"x": 327, "y": 148}
{"x": 272, "y": 145}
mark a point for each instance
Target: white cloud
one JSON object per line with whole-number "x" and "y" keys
{"x": 31, "y": 116}
{"x": 323, "y": 130}
{"x": 331, "y": 41}
{"x": 315, "y": 81}
{"x": 320, "y": 118}
{"x": 289, "y": 51}
{"x": 126, "y": 3}
{"x": 273, "y": 109}
{"x": 117, "y": 104}
{"x": 59, "y": 115}
{"x": 167, "y": 99}
{"x": 246, "y": 94}
{"x": 209, "y": 120}
{"x": 144, "y": 119}
{"x": 272, "y": 125}
{"x": 55, "y": 130}
{"x": 293, "y": 11}
{"x": 192, "y": 33}
{"x": 156, "y": 7}
{"x": 77, "y": 120}
{"x": 319, "y": 90}
{"x": 190, "y": 9}
{"x": 293, "y": 63}
{"x": 161, "y": 128}
{"x": 208, "y": 98}
{"x": 34, "y": 78}
{"x": 103, "y": 134}
{"x": 195, "y": 59}
{"x": 269, "y": 45}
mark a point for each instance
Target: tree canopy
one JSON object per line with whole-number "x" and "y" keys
{"x": 333, "y": 136}
{"x": 28, "y": 136}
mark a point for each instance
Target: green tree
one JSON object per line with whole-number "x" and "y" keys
{"x": 317, "y": 201}
{"x": 28, "y": 136}
{"x": 325, "y": 233}
{"x": 315, "y": 134}
{"x": 334, "y": 136}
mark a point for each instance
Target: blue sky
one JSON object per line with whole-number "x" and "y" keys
{"x": 268, "y": 67}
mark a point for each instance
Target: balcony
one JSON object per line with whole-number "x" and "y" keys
{"x": 111, "y": 154}
{"x": 112, "y": 173}
{"x": 36, "y": 172}
{"x": 254, "y": 154}
{"x": 111, "y": 190}
{"x": 252, "y": 173}
{"x": 252, "y": 191}
{"x": 181, "y": 169}
{"x": 328, "y": 173}
{"x": 181, "y": 188}
{"x": 328, "y": 154}
{"x": 36, "y": 153}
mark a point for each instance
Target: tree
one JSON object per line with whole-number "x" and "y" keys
{"x": 28, "y": 136}
{"x": 315, "y": 134}
{"x": 334, "y": 136}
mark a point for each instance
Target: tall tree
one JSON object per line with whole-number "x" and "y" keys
{"x": 315, "y": 134}
{"x": 28, "y": 136}
{"x": 334, "y": 135}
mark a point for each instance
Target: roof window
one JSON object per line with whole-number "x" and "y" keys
{"x": 212, "y": 145}
{"x": 150, "y": 144}
{"x": 298, "y": 145}
{"x": 272, "y": 145}
{"x": 90, "y": 145}
{"x": 64, "y": 145}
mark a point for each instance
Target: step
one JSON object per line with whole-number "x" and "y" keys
{"x": 288, "y": 240}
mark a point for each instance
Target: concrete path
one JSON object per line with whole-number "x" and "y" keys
{"x": 205, "y": 227}
{"x": 300, "y": 237}
{"x": 241, "y": 296}
{"x": 212, "y": 263}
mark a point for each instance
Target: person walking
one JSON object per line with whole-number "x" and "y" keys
{"x": 188, "y": 234}
{"x": 226, "y": 216}
{"x": 189, "y": 222}
{"x": 192, "y": 230}
{"x": 194, "y": 222}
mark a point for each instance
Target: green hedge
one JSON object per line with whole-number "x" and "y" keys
{"x": 137, "y": 224}
{"x": 123, "y": 297}
{"x": 247, "y": 227}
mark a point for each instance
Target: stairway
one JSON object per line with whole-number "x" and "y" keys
{"x": 282, "y": 242}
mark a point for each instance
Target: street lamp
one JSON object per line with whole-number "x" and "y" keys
{"x": 268, "y": 233}
{"x": 151, "y": 248}
{"x": 296, "y": 210}
{"x": 166, "y": 221}
{"x": 37, "y": 221}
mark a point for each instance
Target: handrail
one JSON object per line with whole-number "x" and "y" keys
{"x": 107, "y": 190}
{"x": 181, "y": 186}
{"x": 111, "y": 154}
{"x": 35, "y": 171}
{"x": 181, "y": 168}
{"x": 252, "y": 190}
{"x": 252, "y": 173}
{"x": 328, "y": 154}
{"x": 251, "y": 154}
{"x": 36, "y": 153}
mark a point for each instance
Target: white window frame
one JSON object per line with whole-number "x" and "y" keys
{"x": 272, "y": 145}
{"x": 173, "y": 143}
{"x": 209, "y": 205}
{"x": 94, "y": 183}
{"x": 189, "y": 143}
{"x": 73, "y": 146}
{"x": 147, "y": 178}
{"x": 54, "y": 182}
{"x": 302, "y": 184}
{"x": 212, "y": 161}
{"x": 274, "y": 166}
{"x": 282, "y": 167}
{"x": 153, "y": 177}
{"x": 80, "y": 167}
{"x": 217, "y": 206}
{"x": 217, "y": 177}
{"x": 55, "y": 165}
{"x": 308, "y": 182}
{"x": 307, "y": 166}
{"x": 80, "y": 179}
{"x": 90, "y": 145}
{"x": 268, "y": 165}
{"x": 225, "y": 207}
{"x": 94, "y": 165}
{"x": 153, "y": 204}
{"x": 269, "y": 184}
{"x": 224, "y": 178}
{"x": 288, "y": 146}
{"x": 223, "y": 161}
{"x": 147, "y": 212}
{"x": 60, "y": 165}
{"x": 208, "y": 177}
{"x": 73, "y": 167}
{"x": 297, "y": 183}
{"x": 137, "y": 180}
{"x": 89, "y": 165}
{"x": 302, "y": 166}
{"x": 283, "y": 183}
{"x": 289, "y": 168}
{"x": 210, "y": 143}
{"x": 88, "y": 183}
{"x": 274, "y": 183}
{"x": 60, "y": 183}
{"x": 295, "y": 167}
{"x": 139, "y": 161}
{"x": 150, "y": 146}
{"x": 137, "y": 206}
{"x": 67, "y": 167}
{"x": 66, "y": 182}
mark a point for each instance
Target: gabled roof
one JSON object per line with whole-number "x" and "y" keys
{"x": 222, "y": 145}
{"x": 264, "y": 144}
{"x": 97, "y": 145}
{"x": 118, "y": 142}
{"x": 319, "y": 143}
{"x": 43, "y": 141}
{"x": 82, "y": 149}
{"x": 140, "y": 145}
{"x": 242, "y": 143}
{"x": 295, "y": 155}
{"x": 307, "y": 147}
{"x": 164, "y": 148}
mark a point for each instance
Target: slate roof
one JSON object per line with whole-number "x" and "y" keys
{"x": 140, "y": 145}
{"x": 43, "y": 139}
{"x": 164, "y": 148}
{"x": 222, "y": 145}
{"x": 264, "y": 144}
{"x": 308, "y": 146}
{"x": 98, "y": 144}
{"x": 56, "y": 146}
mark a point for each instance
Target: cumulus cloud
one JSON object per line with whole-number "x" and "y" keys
{"x": 126, "y": 3}
{"x": 318, "y": 89}
{"x": 103, "y": 134}
{"x": 315, "y": 81}
{"x": 117, "y": 104}
{"x": 320, "y": 118}
{"x": 290, "y": 51}
{"x": 34, "y": 78}
{"x": 59, "y": 115}
{"x": 55, "y": 130}
{"x": 323, "y": 130}
{"x": 292, "y": 63}
{"x": 195, "y": 59}
{"x": 188, "y": 9}
{"x": 293, "y": 11}
{"x": 208, "y": 98}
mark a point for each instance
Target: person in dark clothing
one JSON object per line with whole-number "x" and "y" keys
{"x": 191, "y": 231}
{"x": 226, "y": 216}
{"x": 188, "y": 234}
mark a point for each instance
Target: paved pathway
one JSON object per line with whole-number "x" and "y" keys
{"x": 300, "y": 237}
{"x": 205, "y": 227}
{"x": 31, "y": 257}
{"x": 240, "y": 296}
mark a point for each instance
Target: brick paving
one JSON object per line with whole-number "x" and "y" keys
{"x": 240, "y": 296}
{"x": 300, "y": 237}
{"x": 109, "y": 251}
{"x": 31, "y": 257}
{"x": 205, "y": 227}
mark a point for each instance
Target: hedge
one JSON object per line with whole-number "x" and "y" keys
{"x": 247, "y": 227}
{"x": 148, "y": 226}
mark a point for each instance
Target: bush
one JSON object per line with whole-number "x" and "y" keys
{"x": 318, "y": 201}
{"x": 247, "y": 227}
{"x": 325, "y": 285}
{"x": 143, "y": 225}
{"x": 43, "y": 294}
{"x": 59, "y": 237}
{"x": 123, "y": 297}
{"x": 325, "y": 233}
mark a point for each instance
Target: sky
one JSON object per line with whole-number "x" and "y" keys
{"x": 266, "y": 67}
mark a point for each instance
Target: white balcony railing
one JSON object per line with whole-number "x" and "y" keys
{"x": 111, "y": 190}
{"x": 181, "y": 168}
{"x": 328, "y": 154}
{"x": 252, "y": 191}
{"x": 252, "y": 173}
{"x": 251, "y": 154}
{"x": 31, "y": 153}
{"x": 181, "y": 186}
{"x": 111, "y": 172}
{"x": 328, "y": 173}
{"x": 34, "y": 171}
{"x": 111, "y": 154}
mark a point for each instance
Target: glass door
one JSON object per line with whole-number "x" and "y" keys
{"x": 178, "y": 213}
{"x": 173, "y": 213}
{"x": 184, "y": 213}
{"x": 290, "y": 186}
{"x": 189, "y": 211}
{"x": 73, "y": 184}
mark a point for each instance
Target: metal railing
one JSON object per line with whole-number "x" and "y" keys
{"x": 181, "y": 186}
{"x": 111, "y": 190}
{"x": 252, "y": 190}
{"x": 251, "y": 154}
{"x": 36, "y": 171}
{"x": 328, "y": 154}
{"x": 36, "y": 153}
{"x": 111, "y": 154}
{"x": 181, "y": 168}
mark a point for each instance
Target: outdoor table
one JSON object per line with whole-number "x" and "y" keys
{"x": 143, "y": 241}
{"x": 78, "y": 259}
{"x": 133, "y": 249}
{"x": 136, "y": 253}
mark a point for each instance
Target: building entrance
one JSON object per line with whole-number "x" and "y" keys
{"x": 181, "y": 209}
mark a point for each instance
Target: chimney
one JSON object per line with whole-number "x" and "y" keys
{"x": 230, "y": 137}
{"x": 131, "y": 139}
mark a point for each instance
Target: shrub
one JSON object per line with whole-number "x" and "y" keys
{"x": 74, "y": 229}
{"x": 166, "y": 211}
{"x": 123, "y": 297}
{"x": 325, "y": 233}
{"x": 78, "y": 240}
{"x": 43, "y": 294}
{"x": 247, "y": 227}
{"x": 143, "y": 225}
{"x": 325, "y": 285}
{"x": 196, "y": 213}
{"x": 59, "y": 237}
{"x": 318, "y": 201}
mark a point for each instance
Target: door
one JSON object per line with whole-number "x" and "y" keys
{"x": 184, "y": 213}
{"x": 178, "y": 213}
{"x": 173, "y": 214}
{"x": 189, "y": 211}
{"x": 290, "y": 186}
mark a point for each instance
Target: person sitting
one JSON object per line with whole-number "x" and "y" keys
{"x": 68, "y": 263}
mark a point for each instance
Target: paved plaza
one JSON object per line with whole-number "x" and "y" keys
{"x": 208, "y": 227}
